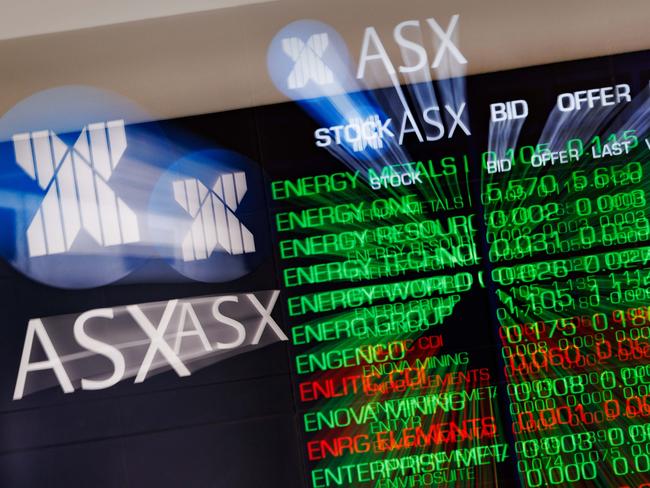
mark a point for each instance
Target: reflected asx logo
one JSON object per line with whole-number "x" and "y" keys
{"x": 72, "y": 204}
{"x": 87, "y": 198}
{"x": 308, "y": 60}
{"x": 359, "y": 132}
{"x": 207, "y": 216}
{"x": 99, "y": 348}
{"x": 213, "y": 211}
{"x": 77, "y": 191}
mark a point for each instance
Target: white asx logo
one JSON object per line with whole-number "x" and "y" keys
{"x": 99, "y": 348}
{"x": 308, "y": 60}
{"x": 77, "y": 191}
{"x": 214, "y": 217}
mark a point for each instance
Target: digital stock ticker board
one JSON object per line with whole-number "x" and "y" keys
{"x": 436, "y": 284}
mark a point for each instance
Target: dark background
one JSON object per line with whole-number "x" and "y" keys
{"x": 233, "y": 424}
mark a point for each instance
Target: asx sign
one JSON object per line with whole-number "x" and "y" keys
{"x": 375, "y": 132}
{"x": 99, "y": 348}
{"x": 308, "y": 58}
{"x": 89, "y": 200}
{"x": 309, "y": 61}
{"x": 373, "y": 50}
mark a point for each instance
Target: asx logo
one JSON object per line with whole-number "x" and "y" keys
{"x": 99, "y": 348}
{"x": 430, "y": 125}
{"x": 87, "y": 198}
{"x": 214, "y": 220}
{"x": 308, "y": 58}
{"x": 78, "y": 194}
{"x": 373, "y": 50}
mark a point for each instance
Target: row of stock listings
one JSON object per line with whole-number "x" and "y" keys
{"x": 473, "y": 327}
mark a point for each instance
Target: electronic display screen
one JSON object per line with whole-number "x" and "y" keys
{"x": 439, "y": 284}
{"x": 472, "y": 314}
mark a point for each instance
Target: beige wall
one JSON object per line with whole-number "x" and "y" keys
{"x": 216, "y": 60}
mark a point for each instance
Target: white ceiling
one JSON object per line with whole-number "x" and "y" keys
{"x": 213, "y": 60}
{"x": 22, "y": 18}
